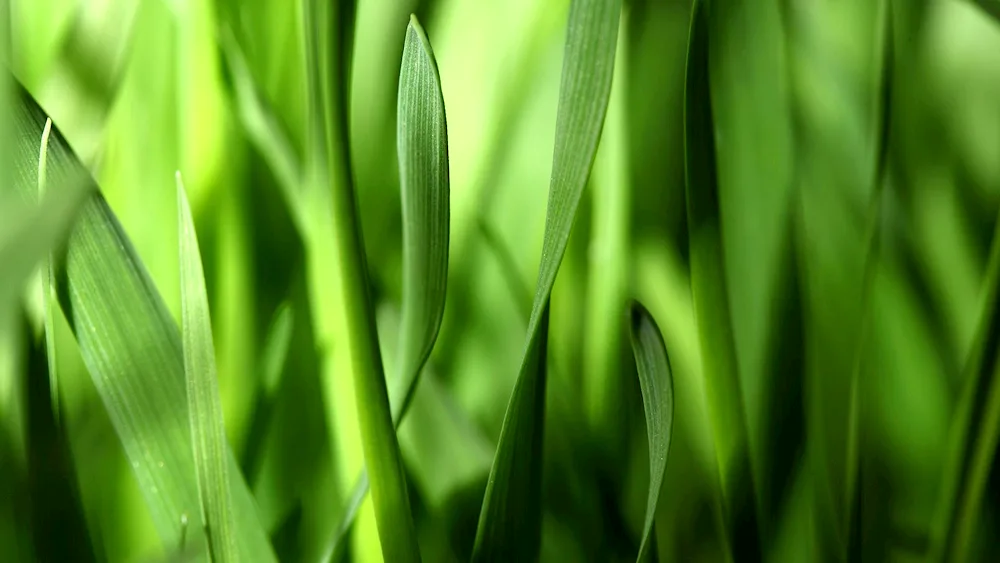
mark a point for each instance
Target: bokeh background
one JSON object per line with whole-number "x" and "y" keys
{"x": 142, "y": 88}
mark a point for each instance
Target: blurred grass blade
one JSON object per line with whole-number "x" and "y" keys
{"x": 711, "y": 300}
{"x": 56, "y": 509}
{"x": 883, "y": 120}
{"x": 977, "y": 426}
{"x": 329, "y": 164}
{"x": 509, "y": 524}
{"x": 263, "y": 128}
{"x": 128, "y": 341}
{"x": 204, "y": 403}
{"x": 991, "y": 7}
{"x": 422, "y": 137}
{"x": 657, "y": 385}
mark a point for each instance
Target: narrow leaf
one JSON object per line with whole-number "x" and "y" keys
{"x": 422, "y": 138}
{"x": 657, "y": 385}
{"x": 509, "y": 523}
{"x": 711, "y": 300}
{"x": 129, "y": 343}
{"x": 977, "y": 426}
{"x": 204, "y": 404}
{"x": 328, "y": 163}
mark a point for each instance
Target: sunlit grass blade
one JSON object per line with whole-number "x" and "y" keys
{"x": 204, "y": 404}
{"x": 711, "y": 300}
{"x": 129, "y": 343}
{"x": 328, "y": 165}
{"x": 422, "y": 138}
{"x": 976, "y": 427}
{"x": 657, "y": 385}
{"x": 509, "y": 523}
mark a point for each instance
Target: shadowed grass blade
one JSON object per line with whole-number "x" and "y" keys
{"x": 204, "y": 404}
{"x": 711, "y": 300}
{"x": 422, "y": 137}
{"x": 657, "y": 385}
{"x": 977, "y": 427}
{"x": 129, "y": 343}
{"x": 510, "y": 520}
{"x": 328, "y": 163}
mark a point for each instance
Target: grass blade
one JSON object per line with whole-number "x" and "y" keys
{"x": 422, "y": 136}
{"x": 977, "y": 427}
{"x": 657, "y": 385}
{"x": 129, "y": 343}
{"x": 423, "y": 168}
{"x": 711, "y": 300}
{"x": 509, "y": 523}
{"x": 329, "y": 161}
{"x": 204, "y": 404}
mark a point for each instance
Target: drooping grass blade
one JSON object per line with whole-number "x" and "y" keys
{"x": 129, "y": 343}
{"x": 657, "y": 385}
{"x": 711, "y": 300}
{"x": 204, "y": 403}
{"x": 510, "y": 521}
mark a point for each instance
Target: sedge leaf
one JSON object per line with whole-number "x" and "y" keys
{"x": 510, "y": 520}
{"x": 422, "y": 138}
{"x": 204, "y": 404}
{"x": 711, "y": 299}
{"x": 129, "y": 343}
{"x": 657, "y": 385}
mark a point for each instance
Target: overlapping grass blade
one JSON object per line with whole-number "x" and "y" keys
{"x": 204, "y": 403}
{"x": 883, "y": 116}
{"x": 128, "y": 341}
{"x": 711, "y": 300}
{"x": 977, "y": 427}
{"x": 329, "y": 162}
{"x": 422, "y": 138}
{"x": 509, "y": 523}
{"x": 991, "y": 7}
{"x": 657, "y": 385}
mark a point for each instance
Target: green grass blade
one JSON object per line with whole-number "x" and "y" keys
{"x": 977, "y": 427}
{"x": 711, "y": 300}
{"x": 657, "y": 385}
{"x": 509, "y": 523}
{"x": 204, "y": 403}
{"x": 329, "y": 161}
{"x": 422, "y": 137}
{"x": 129, "y": 343}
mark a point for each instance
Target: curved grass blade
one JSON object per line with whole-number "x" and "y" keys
{"x": 328, "y": 162}
{"x": 510, "y": 520}
{"x": 129, "y": 343}
{"x": 991, "y": 7}
{"x": 977, "y": 429}
{"x": 657, "y": 385}
{"x": 711, "y": 300}
{"x": 204, "y": 403}
{"x": 422, "y": 137}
